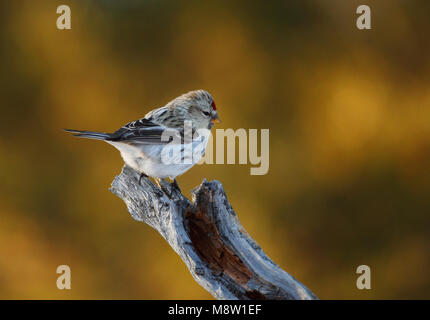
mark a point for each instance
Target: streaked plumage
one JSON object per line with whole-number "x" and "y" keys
{"x": 140, "y": 142}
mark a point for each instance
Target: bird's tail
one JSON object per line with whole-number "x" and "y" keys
{"x": 89, "y": 134}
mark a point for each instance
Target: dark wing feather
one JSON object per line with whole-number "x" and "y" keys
{"x": 144, "y": 131}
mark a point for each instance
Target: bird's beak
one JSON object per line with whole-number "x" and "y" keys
{"x": 215, "y": 118}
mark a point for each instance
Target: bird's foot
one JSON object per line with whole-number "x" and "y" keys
{"x": 168, "y": 188}
{"x": 163, "y": 185}
{"x": 176, "y": 186}
{"x": 142, "y": 175}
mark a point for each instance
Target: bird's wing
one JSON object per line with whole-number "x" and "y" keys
{"x": 145, "y": 131}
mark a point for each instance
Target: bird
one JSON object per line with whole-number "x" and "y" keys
{"x": 182, "y": 124}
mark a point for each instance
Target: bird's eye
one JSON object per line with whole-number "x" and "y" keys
{"x": 207, "y": 114}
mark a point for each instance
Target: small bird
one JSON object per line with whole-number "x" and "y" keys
{"x": 141, "y": 142}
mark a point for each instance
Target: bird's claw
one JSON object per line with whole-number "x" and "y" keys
{"x": 142, "y": 175}
{"x": 163, "y": 188}
{"x": 176, "y": 186}
{"x": 168, "y": 188}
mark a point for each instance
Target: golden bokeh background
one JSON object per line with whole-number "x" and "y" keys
{"x": 349, "y": 119}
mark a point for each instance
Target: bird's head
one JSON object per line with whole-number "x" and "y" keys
{"x": 199, "y": 107}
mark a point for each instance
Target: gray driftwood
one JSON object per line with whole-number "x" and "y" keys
{"x": 209, "y": 238}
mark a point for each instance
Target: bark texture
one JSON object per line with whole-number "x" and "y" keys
{"x": 209, "y": 238}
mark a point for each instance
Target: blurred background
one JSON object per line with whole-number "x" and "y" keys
{"x": 349, "y": 119}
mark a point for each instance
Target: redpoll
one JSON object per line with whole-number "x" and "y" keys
{"x": 142, "y": 142}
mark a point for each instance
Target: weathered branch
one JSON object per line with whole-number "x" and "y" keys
{"x": 209, "y": 238}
